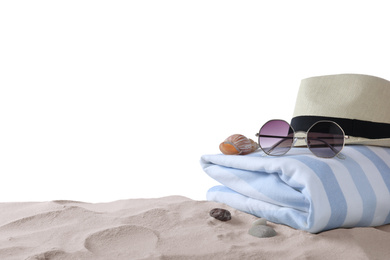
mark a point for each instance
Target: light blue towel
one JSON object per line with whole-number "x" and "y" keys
{"x": 303, "y": 191}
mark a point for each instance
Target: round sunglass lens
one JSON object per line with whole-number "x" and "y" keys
{"x": 276, "y": 137}
{"x": 325, "y": 139}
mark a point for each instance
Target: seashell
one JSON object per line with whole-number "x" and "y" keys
{"x": 238, "y": 144}
{"x": 221, "y": 214}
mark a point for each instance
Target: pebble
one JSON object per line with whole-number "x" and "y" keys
{"x": 221, "y": 214}
{"x": 260, "y": 229}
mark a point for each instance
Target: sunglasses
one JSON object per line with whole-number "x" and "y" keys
{"x": 325, "y": 139}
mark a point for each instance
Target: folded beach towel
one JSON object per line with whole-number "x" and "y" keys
{"x": 303, "y": 191}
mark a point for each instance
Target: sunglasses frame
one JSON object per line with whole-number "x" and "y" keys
{"x": 295, "y": 138}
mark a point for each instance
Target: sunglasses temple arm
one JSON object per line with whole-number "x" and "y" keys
{"x": 331, "y": 147}
{"x": 284, "y": 138}
{"x": 276, "y": 145}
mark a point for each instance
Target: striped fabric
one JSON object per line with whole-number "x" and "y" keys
{"x": 303, "y": 191}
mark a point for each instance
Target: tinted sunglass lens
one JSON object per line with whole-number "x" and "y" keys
{"x": 325, "y": 139}
{"x": 276, "y": 137}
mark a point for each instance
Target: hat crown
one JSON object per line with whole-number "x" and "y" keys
{"x": 352, "y": 96}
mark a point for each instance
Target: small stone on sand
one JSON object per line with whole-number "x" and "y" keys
{"x": 220, "y": 214}
{"x": 262, "y": 231}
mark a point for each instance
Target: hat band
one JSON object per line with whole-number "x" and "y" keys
{"x": 352, "y": 127}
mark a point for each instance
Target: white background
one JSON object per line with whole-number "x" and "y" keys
{"x": 109, "y": 100}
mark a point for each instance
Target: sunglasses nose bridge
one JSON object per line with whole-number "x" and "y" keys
{"x": 299, "y": 139}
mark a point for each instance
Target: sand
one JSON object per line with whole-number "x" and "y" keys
{"x": 171, "y": 227}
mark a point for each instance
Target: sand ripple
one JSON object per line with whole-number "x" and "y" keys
{"x": 43, "y": 220}
{"x": 127, "y": 240}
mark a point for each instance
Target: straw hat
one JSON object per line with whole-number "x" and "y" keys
{"x": 360, "y": 104}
